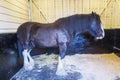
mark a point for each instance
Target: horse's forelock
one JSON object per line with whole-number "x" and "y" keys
{"x": 95, "y": 17}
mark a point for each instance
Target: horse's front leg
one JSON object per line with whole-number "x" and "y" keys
{"x": 60, "y": 68}
{"x": 28, "y": 61}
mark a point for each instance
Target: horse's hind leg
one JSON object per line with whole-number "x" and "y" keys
{"x": 60, "y": 69}
{"x": 28, "y": 61}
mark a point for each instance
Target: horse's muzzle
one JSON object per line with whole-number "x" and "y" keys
{"x": 102, "y": 35}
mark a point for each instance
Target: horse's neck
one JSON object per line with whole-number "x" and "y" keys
{"x": 79, "y": 31}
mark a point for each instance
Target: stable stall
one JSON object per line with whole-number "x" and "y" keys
{"x": 86, "y": 59}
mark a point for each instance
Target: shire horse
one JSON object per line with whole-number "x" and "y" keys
{"x": 56, "y": 34}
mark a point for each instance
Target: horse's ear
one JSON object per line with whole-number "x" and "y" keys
{"x": 92, "y": 12}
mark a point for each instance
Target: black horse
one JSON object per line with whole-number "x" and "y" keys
{"x": 56, "y": 34}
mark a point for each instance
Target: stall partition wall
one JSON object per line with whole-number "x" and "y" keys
{"x": 15, "y": 12}
{"x": 50, "y": 10}
{"x": 12, "y": 14}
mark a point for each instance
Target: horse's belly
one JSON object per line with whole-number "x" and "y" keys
{"x": 46, "y": 41}
{"x": 50, "y": 37}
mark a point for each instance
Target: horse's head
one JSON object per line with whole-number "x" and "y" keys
{"x": 96, "y": 29}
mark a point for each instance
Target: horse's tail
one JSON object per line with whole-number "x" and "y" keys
{"x": 20, "y": 48}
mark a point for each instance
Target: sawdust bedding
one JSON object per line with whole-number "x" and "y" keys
{"x": 78, "y": 67}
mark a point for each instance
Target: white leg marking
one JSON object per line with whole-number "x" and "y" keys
{"x": 25, "y": 59}
{"x": 60, "y": 69}
{"x": 31, "y": 61}
{"x": 28, "y": 61}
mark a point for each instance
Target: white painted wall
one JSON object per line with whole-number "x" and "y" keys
{"x": 15, "y": 12}
{"x": 109, "y": 10}
{"x": 12, "y": 14}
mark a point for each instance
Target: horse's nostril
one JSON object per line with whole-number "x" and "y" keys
{"x": 101, "y": 34}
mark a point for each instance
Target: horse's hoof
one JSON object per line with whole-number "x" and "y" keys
{"x": 29, "y": 67}
{"x": 61, "y": 73}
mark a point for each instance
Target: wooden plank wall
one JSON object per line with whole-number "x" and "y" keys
{"x": 50, "y": 10}
{"x": 15, "y": 12}
{"x": 111, "y": 14}
{"x": 12, "y": 14}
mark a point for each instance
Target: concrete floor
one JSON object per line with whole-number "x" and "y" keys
{"x": 78, "y": 67}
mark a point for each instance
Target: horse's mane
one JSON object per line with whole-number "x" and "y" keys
{"x": 81, "y": 19}
{"x": 74, "y": 21}
{"x": 69, "y": 18}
